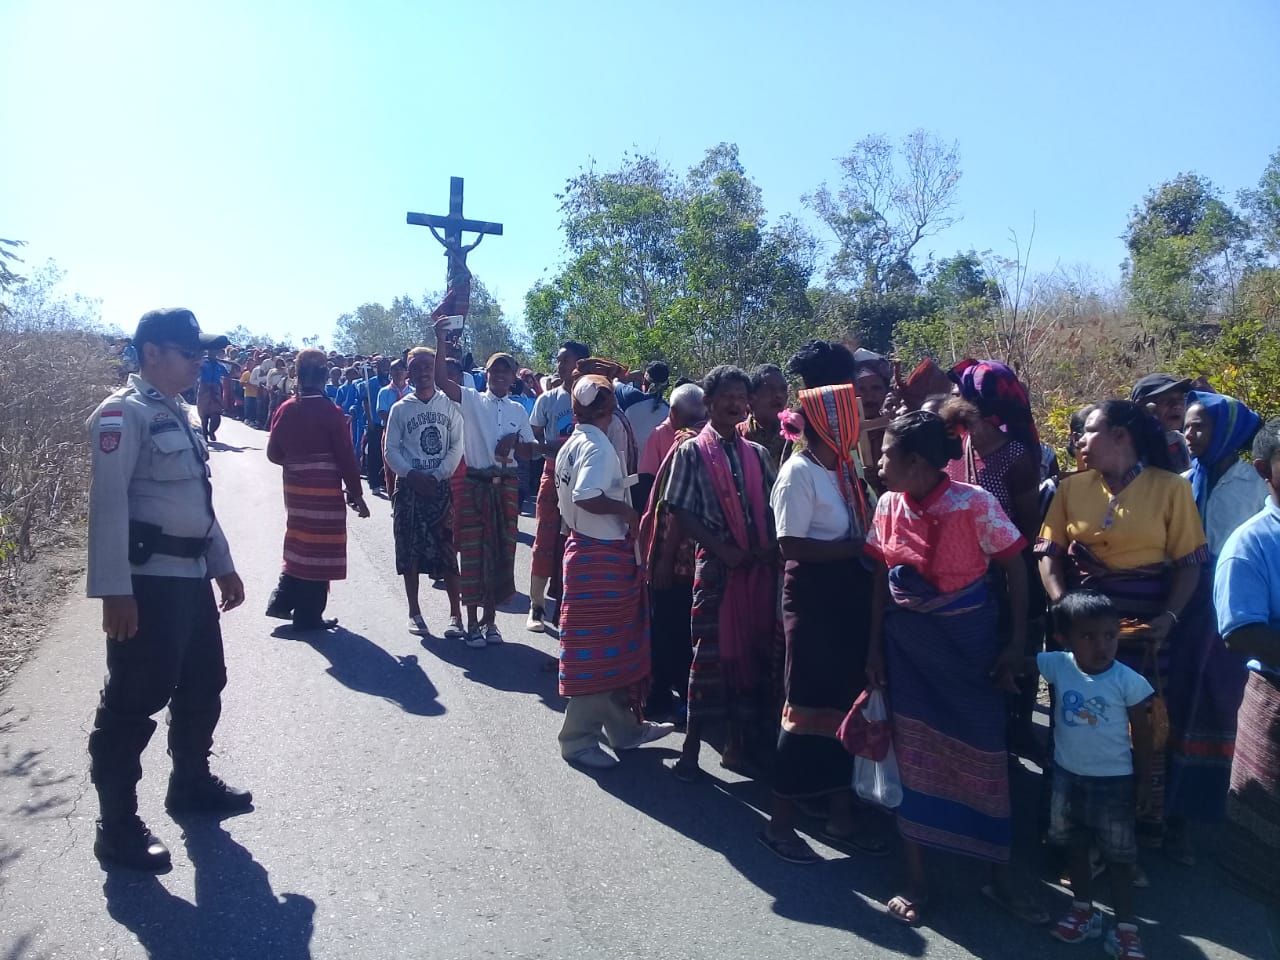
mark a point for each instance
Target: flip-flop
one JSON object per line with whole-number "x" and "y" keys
{"x": 1026, "y": 910}
{"x": 792, "y": 851}
{"x": 867, "y": 843}
{"x": 906, "y": 906}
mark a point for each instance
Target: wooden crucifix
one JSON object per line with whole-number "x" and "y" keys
{"x": 458, "y": 278}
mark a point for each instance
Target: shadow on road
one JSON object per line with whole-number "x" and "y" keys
{"x": 361, "y": 665}
{"x": 218, "y": 445}
{"x": 1183, "y": 906}
{"x": 511, "y": 667}
{"x": 235, "y": 914}
{"x": 726, "y": 817}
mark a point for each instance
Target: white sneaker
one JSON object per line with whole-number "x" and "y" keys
{"x": 418, "y": 627}
{"x": 595, "y": 758}
{"x": 475, "y": 639}
{"x": 492, "y": 635}
{"x": 649, "y": 732}
{"x": 455, "y": 629}
{"x": 534, "y": 624}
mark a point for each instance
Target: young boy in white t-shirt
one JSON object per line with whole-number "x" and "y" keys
{"x": 1101, "y": 776}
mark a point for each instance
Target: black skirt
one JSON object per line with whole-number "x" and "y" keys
{"x": 826, "y": 612}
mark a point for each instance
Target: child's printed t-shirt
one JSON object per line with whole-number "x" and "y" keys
{"x": 1091, "y": 725}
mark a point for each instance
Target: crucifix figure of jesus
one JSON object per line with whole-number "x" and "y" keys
{"x": 458, "y": 278}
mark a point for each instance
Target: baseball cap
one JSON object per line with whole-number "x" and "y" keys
{"x": 175, "y": 325}
{"x": 501, "y": 358}
{"x": 1154, "y": 384}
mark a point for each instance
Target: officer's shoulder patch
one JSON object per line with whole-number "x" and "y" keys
{"x": 109, "y": 441}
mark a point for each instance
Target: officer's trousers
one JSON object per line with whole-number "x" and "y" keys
{"x": 175, "y": 659}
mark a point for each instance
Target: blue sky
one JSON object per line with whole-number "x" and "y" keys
{"x": 254, "y": 161}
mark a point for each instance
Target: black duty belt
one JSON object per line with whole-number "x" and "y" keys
{"x": 148, "y": 539}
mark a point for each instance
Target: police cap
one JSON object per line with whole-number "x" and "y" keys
{"x": 178, "y": 326}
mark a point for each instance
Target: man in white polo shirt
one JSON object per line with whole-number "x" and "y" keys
{"x": 496, "y": 434}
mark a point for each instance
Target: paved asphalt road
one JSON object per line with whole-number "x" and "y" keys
{"x": 411, "y": 803}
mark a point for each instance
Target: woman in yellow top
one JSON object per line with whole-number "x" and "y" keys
{"x": 1128, "y": 526}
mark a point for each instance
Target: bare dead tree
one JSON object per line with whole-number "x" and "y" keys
{"x": 890, "y": 198}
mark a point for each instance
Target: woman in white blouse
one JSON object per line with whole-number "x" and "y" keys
{"x": 820, "y": 505}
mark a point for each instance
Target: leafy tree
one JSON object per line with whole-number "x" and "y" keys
{"x": 686, "y": 270}
{"x": 7, "y": 256}
{"x": 1263, "y": 205}
{"x": 39, "y": 303}
{"x": 1182, "y": 241}
{"x": 373, "y": 328}
{"x": 890, "y": 198}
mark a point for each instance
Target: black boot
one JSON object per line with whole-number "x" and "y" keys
{"x": 128, "y": 843}
{"x": 281, "y": 603}
{"x": 205, "y": 793}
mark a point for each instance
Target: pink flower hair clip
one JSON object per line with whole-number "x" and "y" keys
{"x": 791, "y": 424}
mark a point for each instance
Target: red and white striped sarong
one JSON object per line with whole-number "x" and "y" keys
{"x": 315, "y": 536}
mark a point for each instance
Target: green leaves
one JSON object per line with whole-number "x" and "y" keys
{"x": 687, "y": 270}
{"x": 373, "y": 328}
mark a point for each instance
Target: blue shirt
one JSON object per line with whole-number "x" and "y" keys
{"x": 355, "y": 400}
{"x": 211, "y": 371}
{"x": 627, "y": 394}
{"x": 1091, "y": 722}
{"x": 1246, "y": 584}
{"x": 387, "y": 398}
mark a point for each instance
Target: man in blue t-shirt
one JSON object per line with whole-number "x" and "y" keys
{"x": 1246, "y": 595}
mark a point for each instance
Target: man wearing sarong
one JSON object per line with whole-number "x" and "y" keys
{"x": 552, "y": 422}
{"x": 1247, "y": 598}
{"x": 933, "y": 636}
{"x": 719, "y": 492}
{"x": 669, "y": 556}
{"x": 604, "y": 624}
{"x": 309, "y": 440}
{"x": 424, "y": 438}
{"x": 495, "y": 434}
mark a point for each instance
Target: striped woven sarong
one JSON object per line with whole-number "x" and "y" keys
{"x": 604, "y": 620}
{"x": 315, "y": 536}
{"x": 948, "y": 720}
{"x": 488, "y": 509}
{"x": 548, "y": 545}
{"x": 1251, "y": 850}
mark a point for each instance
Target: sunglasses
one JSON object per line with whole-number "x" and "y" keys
{"x": 181, "y": 351}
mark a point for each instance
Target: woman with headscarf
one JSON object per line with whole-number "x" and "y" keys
{"x": 1228, "y": 490}
{"x": 1000, "y": 454}
{"x": 309, "y": 440}
{"x": 1205, "y": 679}
{"x": 821, "y": 510}
{"x": 1128, "y": 526}
{"x": 604, "y": 621}
{"x": 719, "y": 492}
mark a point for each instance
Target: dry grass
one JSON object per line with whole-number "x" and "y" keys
{"x": 50, "y": 381}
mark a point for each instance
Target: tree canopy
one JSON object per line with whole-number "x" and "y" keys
{"x": 374, "y": 328}
{"x": 681, "y": 268}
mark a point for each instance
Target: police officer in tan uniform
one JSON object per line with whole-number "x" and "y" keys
{"x": 154, "y": 547}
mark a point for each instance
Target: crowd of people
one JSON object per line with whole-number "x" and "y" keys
{"x": 721, "y": 558}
